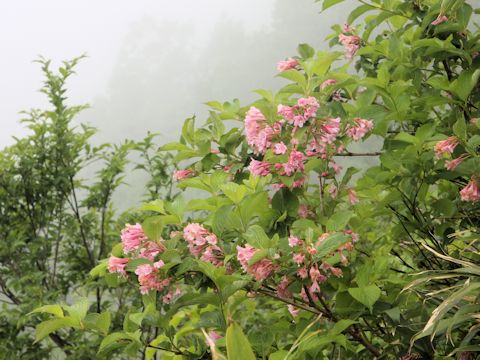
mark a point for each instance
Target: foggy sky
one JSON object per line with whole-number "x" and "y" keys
{"x": 151, "y": 63}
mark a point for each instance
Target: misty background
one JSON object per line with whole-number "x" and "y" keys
{"x": 151, "y": 63}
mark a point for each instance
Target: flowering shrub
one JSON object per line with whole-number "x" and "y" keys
{"x": 286, "y": 255}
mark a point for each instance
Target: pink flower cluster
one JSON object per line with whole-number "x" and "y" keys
{"x": 138, "y": 246}
{"x": 303, "y": 256}
{"x": 288, "y": 64}
{"x": 261, "y": 269}
{"x": 132, "y": 237}
{"x": 202, "y": 242}
{"x": 149, "y": 277}
{"x": 360, "y": 129}
{"x": 351, "y": 44}
{"x": 297, "y": 115}
{"x": 445, "y": 146}
{"x": 258, "y": 132}
{"x": 471, "y": 192}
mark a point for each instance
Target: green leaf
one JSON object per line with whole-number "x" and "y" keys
{"x": 78, "y": 310}
{"x": 153, "y": 226}
{"x": 367, "y": 295}
{"x": 188, "y": 131}
{"x": 156, "y": 206}
{"x": 295, "y": 76}
{"x": 238, "y": 346}
{"x": 359, "y": 11}
{"x": 330, "y": 244}
{"x": 234, "y": 191}
{"x": 460, "y": 129}
{"x": 256, "y": 237}
{"x": 328, "y": 3}
{"x": 465, "y": 83}
{"x": 339, "y": 220}
{"x": 47, "y": 327}
{"x": 323, "y": 61}
{"x": 305, "y": 51}
{"x": 51, "y": 309}
{"x": 103, "y": 322}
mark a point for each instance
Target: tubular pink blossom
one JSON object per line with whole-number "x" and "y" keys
{"x": 294, "y": 241}
{"x": 183, "y": 174}
{"x": 132, "y": 237}
{"x": 360, "y": 129}
{"x": 352, "y": 196}
{"x": 445, "y": 146}
{"x": 280, "y": 148}
{"x": 440, "y": 19}
{"x": 259, "y": 168}
{"x": 117, "y": 265}
{"x": 471, "y": 192}
{"x": 351, "y": 44}
{"x": 327, "y": 83}
{"x": 282, "y": 289}
{"x": 298, "y": 258}
{"x": 330, "y": 130}
{"x": 293, "y": 310}
{"x": 452, "y": 164}
{"x": 288, "y": 64}
{"x": 257, "y": 131}
{"x": 303, "y": 211}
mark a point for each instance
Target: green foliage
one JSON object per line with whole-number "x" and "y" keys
{"x": 57, "y": 219}
{"x": 232, "y": 258}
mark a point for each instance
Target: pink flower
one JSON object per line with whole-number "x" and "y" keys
{"x": 303, "y": 211}
{"x": 351, "y": 44}
{"x": 440, "y": 19}
{"x": 280, "y": 148}
{"x": 288, "y": 64}
{"x": 286, "y": 112}
{"x": 294, "y": 241}
{"x": 452, "y": 164}
{"x": 244, "y": 254}
{"x": 116, "y": 264}
{"x": 213, "y": 254}
{"x": 293, "y": 310}
{"x": 150, "y": 249}
{"x": 310, "y": 106}
{"x": 471, "y": 192}
{"x": 445, "y": 146}
{"x": 212, "y": 338}
{"x": 302, "y": 273}
{"x": 182, "y": 174}
{"x": 295, "y": 163}
{"x": 327, "y": 83}
{"x": 330, "y": 130}
{"x": 316, "y": 276}
{"x": 360, "y": 129}
{"x": 333, "y": 191}
{"x": 352, "y": 196}
{"x": 259, "y": 168}
{"x": 257, "y": 131}
{"x": 144, "y": 270}
{"x": 282, "y": 288}
{"x": 158, "y": 264}
{"x": 202, "y": 242}
{"x": 132, "y": 237}
{"x": 260, "y": 270}
{"x": 336, "y": 168}
{"x": 298, "y": 258}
